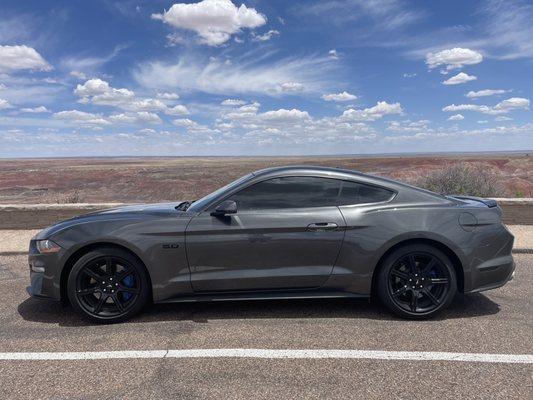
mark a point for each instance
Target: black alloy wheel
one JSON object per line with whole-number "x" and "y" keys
{"x": 108, "y": 285}
{"x": 417, "y": 281}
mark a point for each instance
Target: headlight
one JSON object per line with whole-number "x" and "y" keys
{"x": 47, "y": 246}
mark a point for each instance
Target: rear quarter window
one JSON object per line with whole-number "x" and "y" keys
{"x": 359, "y": 193}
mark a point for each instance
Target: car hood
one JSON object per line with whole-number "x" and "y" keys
{"x": 155, "y": 208}
{"x": 125, "y": 213}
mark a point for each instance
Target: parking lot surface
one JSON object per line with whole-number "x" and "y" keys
{"x": 494, "y": 322}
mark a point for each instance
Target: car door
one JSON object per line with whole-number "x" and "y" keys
{"x": 287, "y": 233}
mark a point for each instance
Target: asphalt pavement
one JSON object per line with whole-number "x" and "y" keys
{"x": 494, "y": 322}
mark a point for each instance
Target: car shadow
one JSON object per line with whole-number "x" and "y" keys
{"x": 463, "y": 306}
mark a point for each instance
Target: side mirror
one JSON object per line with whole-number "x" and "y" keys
{"x": 225, "y": 208}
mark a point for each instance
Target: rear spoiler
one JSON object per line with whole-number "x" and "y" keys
{"x": 488, "y": 202}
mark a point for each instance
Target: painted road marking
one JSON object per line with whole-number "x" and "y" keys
{"x": 275, "y": 354}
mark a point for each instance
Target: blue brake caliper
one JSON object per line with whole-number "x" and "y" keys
{"x": 128, "y": 282}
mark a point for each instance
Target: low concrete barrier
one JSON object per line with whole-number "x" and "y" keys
{"x": 36, "y": 216}
{"x": 517, "y": 211}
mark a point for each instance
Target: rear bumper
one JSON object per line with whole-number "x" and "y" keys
{"x": 491, "y": 263}
{"x": 492, "y": 274}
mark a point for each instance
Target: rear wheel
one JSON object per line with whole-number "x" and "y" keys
{"x": 417, "y": 281}
{"x": 108, "y": 285}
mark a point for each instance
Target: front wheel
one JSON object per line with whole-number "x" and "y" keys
{"x": 417, "y": 281}
{"x": 108, "y": 285}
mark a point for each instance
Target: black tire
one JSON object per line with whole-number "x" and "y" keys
{"x": 108, "y": 285}
{"x": 414, "y": 295}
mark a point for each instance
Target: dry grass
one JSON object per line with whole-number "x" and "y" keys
{"x": 69, "y": 198}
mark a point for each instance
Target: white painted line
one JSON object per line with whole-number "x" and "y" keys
{"x": 276, "y": 354}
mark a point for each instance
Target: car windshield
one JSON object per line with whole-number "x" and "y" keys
{"x": 200, "y": 204}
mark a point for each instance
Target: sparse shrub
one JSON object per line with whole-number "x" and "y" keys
{"x": 70, "y": 198}
{"x": 462, "y": 178}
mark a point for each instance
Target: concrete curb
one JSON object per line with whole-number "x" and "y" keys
{"x": 516, "y": 211}
{"x": 522, "y": 251}
{"x": 13, "y": 253}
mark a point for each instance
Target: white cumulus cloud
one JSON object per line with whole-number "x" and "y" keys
{"x": 81, "y": 118}
{"x": 456, "y": 117}
{"x": 453, "y": 58}
{"x": 504, "y": 107}
{"x": 167, "y": 96}
{"x": 459, "y": 79}
{"x": 22, "y": 57}
{"x": 468, "y": 107}
{"x": 376, "y": 112}
{"x": 185, "y": 122}
{"x": 213, "y": 20}
{"x": 283, "y": 115}
{"x": 514, "y": 103}
{"x": 177, "y": 110}
{"x": 333, "y": 54}
{"x": 40, "y": 109}
{"x": 409, "y": 126}
{"x": 99, "y": 92}
{"x": 136, "y": 118}
{"x": 4, "y": 104}
{"x": 343, "y": 96}
{"x": 485, "y": 93}
{"x": 233, "y": 102}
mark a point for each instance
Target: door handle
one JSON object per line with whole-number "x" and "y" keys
{"x": 322, "y": 226}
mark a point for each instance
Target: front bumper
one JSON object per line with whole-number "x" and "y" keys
{"x": 45, "y": 275}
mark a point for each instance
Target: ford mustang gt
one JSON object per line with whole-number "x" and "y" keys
{"x": 288, "y": 232}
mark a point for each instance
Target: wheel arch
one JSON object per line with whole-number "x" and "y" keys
{"x": 456, "y": 260}
{"x": 76, "y": 255}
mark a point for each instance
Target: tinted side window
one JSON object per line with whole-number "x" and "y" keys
{"x": 289, "y": 192}
{"x": 358, "y": 193}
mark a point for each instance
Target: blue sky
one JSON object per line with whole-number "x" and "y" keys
{"x": 103, "y": 78}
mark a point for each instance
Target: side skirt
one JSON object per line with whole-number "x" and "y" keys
{"x": 262, "y": 296}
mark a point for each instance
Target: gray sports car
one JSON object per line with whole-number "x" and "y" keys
{"x": 290, "y": 232}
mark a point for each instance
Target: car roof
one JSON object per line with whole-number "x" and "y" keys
{"x": 331, "y": 172}
{"x": 305, "y": 168}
